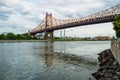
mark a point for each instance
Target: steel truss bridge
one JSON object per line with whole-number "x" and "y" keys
{"x": 49, "y": 24}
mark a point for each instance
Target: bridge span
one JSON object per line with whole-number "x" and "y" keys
{"x": 49, "y": 24}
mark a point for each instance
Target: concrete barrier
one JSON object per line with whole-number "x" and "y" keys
{"x": 115, "y": 48}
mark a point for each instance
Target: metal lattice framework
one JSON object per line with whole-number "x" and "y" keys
{"x": 50, "y": 23}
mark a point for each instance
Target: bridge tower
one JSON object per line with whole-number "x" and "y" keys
{"x": 28, "y": 32}
{"x": 48, "y": 24}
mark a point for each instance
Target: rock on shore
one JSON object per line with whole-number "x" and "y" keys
{"x": 109, "y": 68}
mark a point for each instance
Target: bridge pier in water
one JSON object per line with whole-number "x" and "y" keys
{"x": 49, "y": 35}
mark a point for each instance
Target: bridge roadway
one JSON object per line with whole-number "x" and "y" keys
{"x": 97, "y": 20}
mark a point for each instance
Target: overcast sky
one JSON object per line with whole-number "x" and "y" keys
{"x": 19, "y": 15}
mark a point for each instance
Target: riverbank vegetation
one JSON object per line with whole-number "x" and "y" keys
{"x": 116, "y": 24}
{"x": 12, "y": 36}
{"x": 97, "y": 38}
{"x": 71, "y": 39}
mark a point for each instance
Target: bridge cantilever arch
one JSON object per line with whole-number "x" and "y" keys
{"x": 50, "y": 24}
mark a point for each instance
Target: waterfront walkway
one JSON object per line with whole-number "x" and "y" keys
{"x": 115, "y": 48}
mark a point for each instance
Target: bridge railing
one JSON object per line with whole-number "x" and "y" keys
{"x": 115, "y": 48}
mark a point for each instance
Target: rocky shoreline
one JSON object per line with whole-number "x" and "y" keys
{"x": 109, "y": 68}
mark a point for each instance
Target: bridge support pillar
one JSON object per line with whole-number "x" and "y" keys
{"x": 49, "y": 35}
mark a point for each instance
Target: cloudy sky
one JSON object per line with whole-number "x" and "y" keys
{"x": 19, "y": 15}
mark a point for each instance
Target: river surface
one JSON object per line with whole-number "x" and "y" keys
{"x": 73, "y": 60}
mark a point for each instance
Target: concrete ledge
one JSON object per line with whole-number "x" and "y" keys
{"x": 115, "y": 48}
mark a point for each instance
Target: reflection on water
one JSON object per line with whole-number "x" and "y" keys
{"x": 49, "y": 60}
{"x": 49, "y": 55}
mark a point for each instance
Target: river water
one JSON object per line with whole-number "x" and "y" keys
{"x": 73, "y": 60}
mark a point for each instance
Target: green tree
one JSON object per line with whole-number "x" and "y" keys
{"x": 35, "y": 38}
{"x": 28, "y": 37}
{"x": 20, "y": 37}
{"x": 10, "y": 36}
{"x": 116, "y": 24}
{"x": 2, "y": 36}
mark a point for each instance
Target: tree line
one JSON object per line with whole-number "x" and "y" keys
{"x": 12, "y": 36}
{"x": 71, "y": 39}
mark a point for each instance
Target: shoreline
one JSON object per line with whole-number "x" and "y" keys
{"x": 3, "y": 41}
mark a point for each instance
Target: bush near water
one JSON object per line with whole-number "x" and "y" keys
{"x": 12, "y": 36}
{"x": 116, "y": 24}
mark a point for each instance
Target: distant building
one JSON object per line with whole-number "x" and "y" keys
{"x": 102, "y": 38}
